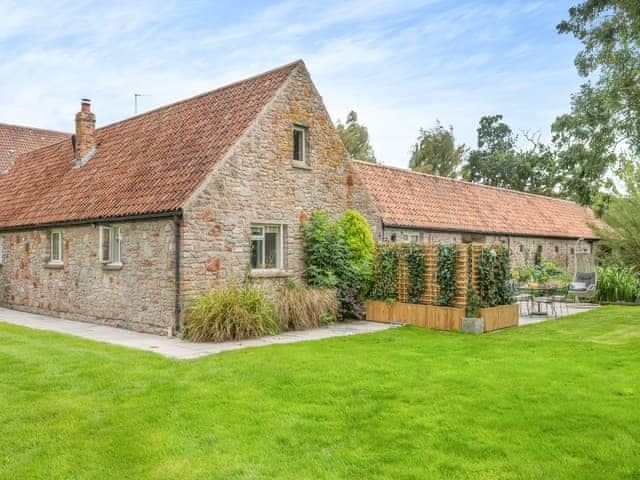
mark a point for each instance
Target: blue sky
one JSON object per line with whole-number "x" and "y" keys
{"x": 400, "y": 64}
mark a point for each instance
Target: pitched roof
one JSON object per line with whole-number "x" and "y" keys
{"x": 410, "y": 199}
{"x": 147, "y": 164}
{"x": 15, "y": 140}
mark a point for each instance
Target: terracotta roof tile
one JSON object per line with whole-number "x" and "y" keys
{"x": 406, "y": 198}
{"x": 146, "y": 164}
{"x": 16, "y": 140}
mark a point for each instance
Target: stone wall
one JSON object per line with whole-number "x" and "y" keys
{"x": 558, "y": 250}
{"x": 139, "y": 296}
{"x": 259, "y": 183}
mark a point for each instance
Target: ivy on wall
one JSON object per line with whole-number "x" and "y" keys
{"x": 446, "y": 274}
{"x": 494, "y": 269}
{"x": 416, "y": 268}
{"x": 473, "y": 300}
{"x": 486, "y": 273}
{"x": 503, "y": 277}
{"x": 386, "y": 273}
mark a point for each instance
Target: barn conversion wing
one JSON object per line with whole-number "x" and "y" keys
{"x": 416, "y": 206}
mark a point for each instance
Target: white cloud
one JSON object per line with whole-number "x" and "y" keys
{"x": 400, "y": 64}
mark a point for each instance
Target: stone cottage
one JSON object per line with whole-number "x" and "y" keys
{"x": 407, "y": 206}
{"x": 122, "y": 224}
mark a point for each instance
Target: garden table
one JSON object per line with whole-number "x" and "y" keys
{"x": 538, "y": 292}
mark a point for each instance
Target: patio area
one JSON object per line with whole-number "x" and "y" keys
{"x": 566, "y": 310}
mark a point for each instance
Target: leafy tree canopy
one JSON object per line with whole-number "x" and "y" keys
{"x": 605, "y": 112}
{"x": 356, "y": 138}
{"x": 435, "y": 152}
{"x": 499, "y": 162}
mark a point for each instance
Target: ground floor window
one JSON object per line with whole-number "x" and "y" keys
{"x": 56, "y": 247}
{"x": 267, "y": 247}
{"x": 110, "y": 245}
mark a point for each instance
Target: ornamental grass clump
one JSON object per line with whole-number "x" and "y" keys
{"x": 298, "y": 307}
{"x": 617, "y": 284}
{"x": 230, "y": 313}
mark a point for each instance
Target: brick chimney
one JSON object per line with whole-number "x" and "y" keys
{"x": 85, "y": 140}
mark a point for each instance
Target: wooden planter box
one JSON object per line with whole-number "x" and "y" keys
{"x": 503, "y": 316}
{"x": 428, "y": 316}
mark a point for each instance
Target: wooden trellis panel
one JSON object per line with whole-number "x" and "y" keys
{"x": 463, "y": 264}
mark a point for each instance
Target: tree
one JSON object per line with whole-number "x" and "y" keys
{"x": 622, "y": 237}
{"x": 605, "y": 113}
{"x": 356, "y": 138}
{"x": 435, "y": 152}
{"x": 498, "y": 162}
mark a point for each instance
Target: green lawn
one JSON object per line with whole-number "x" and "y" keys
{"x": 555, "y": 400}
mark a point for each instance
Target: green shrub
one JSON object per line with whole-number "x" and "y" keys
{"x": 359, "y": 237}
{"x": 473, "y": 302}
{"x": 416, "y": 268}
{"x": 230, "y": 313}
{"x": 361, "y": 245}
{"x": 329, "y": 261}
{"x": 617, "y": 284}
{"x": 446, "y": 274}
{"x": 544, "y": 273}
{"x": 299, "y": 307}
{"x": 386, "y": 273}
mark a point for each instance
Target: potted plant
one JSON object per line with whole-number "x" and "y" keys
{"x": 472, "y": 322}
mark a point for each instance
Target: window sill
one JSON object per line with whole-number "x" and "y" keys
{"x": 270, "y": 274}
{"x": 300, "y": 165}
{"x": 112, "y": 266}
{"x": 54, "y": 265}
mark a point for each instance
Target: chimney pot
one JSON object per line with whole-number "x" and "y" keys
{"x": 85, "y": 105}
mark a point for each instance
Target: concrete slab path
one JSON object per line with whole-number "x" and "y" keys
{"x": 175, "y": 347}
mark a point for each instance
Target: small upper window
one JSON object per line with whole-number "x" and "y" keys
{"x": 266, "y": 247}
{"x": 56, "y": 247}
{"x": 557, "y": 249}
{"x": 299, "y": 144}
{"x": 1, "y": 251}
{"x": 521, "y": 248}
{"x": 110, "y": 245}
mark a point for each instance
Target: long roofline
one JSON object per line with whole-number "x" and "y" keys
{"x": 26, "y": 127}
{"x": 456, "y": 180}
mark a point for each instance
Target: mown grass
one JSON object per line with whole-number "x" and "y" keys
{"x": 555, "y": 400}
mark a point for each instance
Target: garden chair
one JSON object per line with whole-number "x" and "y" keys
{"x": 524, "y": 299}
{"x": 560, "y": 300}
{"x": 585, "y": 279}
{"x": 549, "y": 303}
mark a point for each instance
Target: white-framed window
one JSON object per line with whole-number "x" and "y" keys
{"x": 411, "y": 238}
{"x": 267, "y": 247}
{"x": 110, "y": 245}
{"x": 299, "y": 144}
{"x": 57, "y": 240}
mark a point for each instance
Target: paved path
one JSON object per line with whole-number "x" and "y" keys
{"x": 175, "y": 347}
